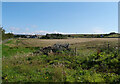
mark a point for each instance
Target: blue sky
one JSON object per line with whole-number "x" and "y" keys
{"x": 60, "y": 0}
{"x": 59, "y": 17}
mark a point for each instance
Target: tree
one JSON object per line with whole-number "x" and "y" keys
{"x": 2, "y": 31}
{"x": 112, "y": 33}
{"x": 4, "y": 35}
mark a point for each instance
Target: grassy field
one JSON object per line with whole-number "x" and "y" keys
{"x": 87, "y": 65}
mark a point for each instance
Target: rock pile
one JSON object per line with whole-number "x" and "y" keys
{"x": 56, "y": 48}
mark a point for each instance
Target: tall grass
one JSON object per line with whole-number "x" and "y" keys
{"x": 86, "y": 66}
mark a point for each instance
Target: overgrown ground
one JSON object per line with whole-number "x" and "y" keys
{"x": 94, "y": 61}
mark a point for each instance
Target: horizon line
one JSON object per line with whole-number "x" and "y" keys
{"x": 61, "y": 33}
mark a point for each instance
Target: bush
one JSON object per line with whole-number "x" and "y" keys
{"x": 53, "y": 36}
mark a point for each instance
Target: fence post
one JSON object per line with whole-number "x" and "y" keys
{"x": 108, "y": 45}
{"x": 75, "y": 51}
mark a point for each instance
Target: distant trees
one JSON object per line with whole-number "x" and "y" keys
{"x": 112, "y": 33}
{"x": 2, "y": 31}
{"x": 61, "y": 36}
{"x": 54, "y": 36}
{"x": 4, "y": 35}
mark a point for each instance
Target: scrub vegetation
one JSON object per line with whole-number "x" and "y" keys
{"x": 85, "y": 60}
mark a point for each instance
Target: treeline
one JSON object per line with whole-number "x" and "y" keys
{"x": 85, "y": 36}
{"x": 110, "y": 35}
{"x": 4, "y": 35}
{"x": 54, "y": 36}
{"x": 25, "y": 36}
{"x": 61, "y": 36}
{"x": 57, "y": 36}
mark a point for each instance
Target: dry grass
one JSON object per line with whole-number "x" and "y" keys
{"x": 29, "y": 67}
{"x": 48, "y": 42}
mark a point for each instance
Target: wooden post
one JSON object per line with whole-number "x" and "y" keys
{"x": 75, "y": 51}
{"x": 108, "y": 45}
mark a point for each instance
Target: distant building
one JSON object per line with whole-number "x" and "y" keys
{"x": 102, "y": 36}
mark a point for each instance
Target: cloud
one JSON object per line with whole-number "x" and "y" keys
{"x": 27, "y": 29}
{"x": 101, "y": 30}
{"x": 14, "y": 29}
{"x": 34, "y": 26}
{"x": 42, "y": 32}
{"x": 98, "y": 30}
{"x": 17, "y": 30}
{"x": 47, "y": 32}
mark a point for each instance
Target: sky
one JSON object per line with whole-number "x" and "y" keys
{"x": 60, "y": 17}
{"x": 60, "y": 0}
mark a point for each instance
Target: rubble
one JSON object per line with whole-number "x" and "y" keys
{"x": 56, "y": 48}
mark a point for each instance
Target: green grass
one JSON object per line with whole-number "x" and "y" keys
{"x": 114, "y": 35}
{"x": 86, "y": 66}
{"x": 8, "y": 51}
{"x": 9, "y": 42}
{"x": 0, "y": 50}
{"x": 12, "y": 51}
{"x": 76, "y": 69}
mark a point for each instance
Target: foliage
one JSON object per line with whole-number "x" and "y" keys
{"x": 53, "y": 36}
{"x": 62, "y": 67}
{"x": 5, "y": 35}
{"x": 8, "y": 51}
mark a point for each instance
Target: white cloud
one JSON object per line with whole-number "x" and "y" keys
{"x": 34, "y": 26}
{"x": 41, "y": 32}
{"x": 27, "y": 29}
{"x": 98, "y": 30}
{"x": 113, "y": 31}
{"x": 47, "y": 32}
{"x": 14, "y": 29}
